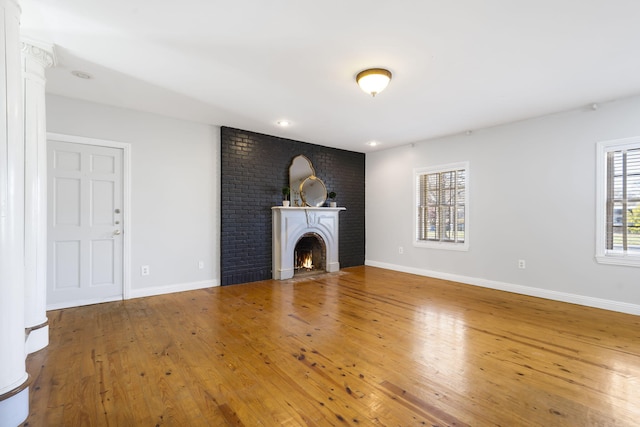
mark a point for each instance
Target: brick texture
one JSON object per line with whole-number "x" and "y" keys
{"x": 254, "y": 168}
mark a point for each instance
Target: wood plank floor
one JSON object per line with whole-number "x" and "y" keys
{"x": 364, "y": 346}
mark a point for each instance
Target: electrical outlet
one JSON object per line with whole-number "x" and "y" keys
{"x": 200, "y": 265}
{"x": 400, "y": 250}
{"x": 521, "y": 264}
{"x": 144, "y": 270}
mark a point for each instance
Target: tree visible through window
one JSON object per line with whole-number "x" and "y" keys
{"x": 441, "y": 205}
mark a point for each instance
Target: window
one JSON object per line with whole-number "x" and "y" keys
{"x": 618, "y": 193}
{"x": 441, "y": 206}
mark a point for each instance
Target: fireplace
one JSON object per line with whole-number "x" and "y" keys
{"x": 309, "y": 255}
{"x": 300, "y": 233}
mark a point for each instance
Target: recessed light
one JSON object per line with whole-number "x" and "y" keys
{"x": 82, "y": 75}
{"x": 372, "y": 143}
{"x": 284, "y": 123}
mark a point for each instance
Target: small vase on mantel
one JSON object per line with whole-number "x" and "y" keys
{"x": 286, "y": 191}
{"x": 332, "y": 196}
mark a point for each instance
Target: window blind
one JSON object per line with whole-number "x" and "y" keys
{"x": 623, "y": 201}
{"x": 441, "y": 206}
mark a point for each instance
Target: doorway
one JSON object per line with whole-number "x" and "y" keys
{"x": 87, "y": 221}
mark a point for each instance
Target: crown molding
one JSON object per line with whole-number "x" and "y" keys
{"x": 42, "y": 52}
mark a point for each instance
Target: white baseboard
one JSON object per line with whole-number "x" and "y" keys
{"x": 37, "y": 339}
{"x": 139, "y": 293}
{"x": 14, "y": 409}
{"x": 90, "y": 301}
{"x": 587, "y": 301}
{"x": 170, "y": 289}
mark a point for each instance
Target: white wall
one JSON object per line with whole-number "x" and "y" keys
{"x": 532, "y": 197}
{"x": 175, "y": 190}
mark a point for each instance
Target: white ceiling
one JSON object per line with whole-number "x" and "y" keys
{"x": 457, "y": 64}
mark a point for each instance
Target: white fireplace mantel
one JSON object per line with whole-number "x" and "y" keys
{"x": 290, "y": 224}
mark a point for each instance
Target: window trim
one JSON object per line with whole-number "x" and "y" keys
{"x": 602, "y": 255}
{"x": 438, "y": 169}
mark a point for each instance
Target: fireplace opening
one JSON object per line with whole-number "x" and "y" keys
{"x": 309, "y": 256}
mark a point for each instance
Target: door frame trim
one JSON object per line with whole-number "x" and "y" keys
{"x": 126, "y": 197}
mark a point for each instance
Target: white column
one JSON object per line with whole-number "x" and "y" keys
{"x": 14, "y": 390}
{"x": 36, "y": 57}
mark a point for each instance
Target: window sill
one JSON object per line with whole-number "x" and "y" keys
{"x": 442, "y": 245}
{"x": 626, "y": 260}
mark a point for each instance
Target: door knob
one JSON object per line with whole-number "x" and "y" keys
{"x": 117, "y": 232}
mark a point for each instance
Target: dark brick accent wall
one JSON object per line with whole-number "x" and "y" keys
{"x": 254, "y": 169}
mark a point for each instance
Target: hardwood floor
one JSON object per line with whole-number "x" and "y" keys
{"x": 364, "y": 346}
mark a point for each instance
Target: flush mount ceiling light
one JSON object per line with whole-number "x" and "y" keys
{"x": 373, "y": 80}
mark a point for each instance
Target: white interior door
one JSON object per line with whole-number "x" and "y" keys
{"x": 85, "y": 224}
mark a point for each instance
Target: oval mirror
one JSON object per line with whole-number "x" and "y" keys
{"x": 313, "y": 191}
{"x": 300, "y": 169}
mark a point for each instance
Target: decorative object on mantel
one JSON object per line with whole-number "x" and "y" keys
{"x": 307, "y": 189}
{"x": 300, "y": 169}
{"x": 313, "y": 191}
{"x": 332, "y": 196}
{"x": 285, "y": 196}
